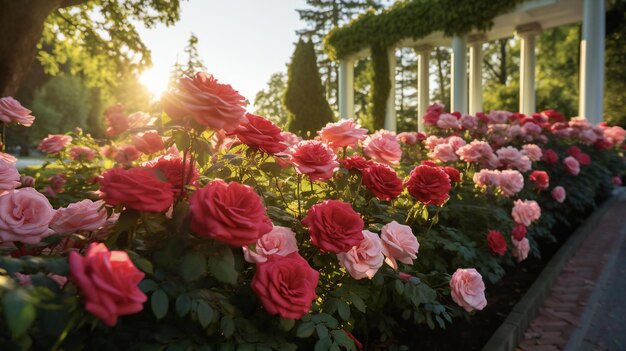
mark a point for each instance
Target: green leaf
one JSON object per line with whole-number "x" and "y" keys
{"x": 205, "y": 313}
{"x": 342, "y": 338}
{"x": 140, "y": 262}
{"x": 343, "y": 309}
{"x": 19, "y": 312}
{"x": 305, "y": 329}
{"x": 323, "y": 344}
{"x": 159, "y": 303}
{"x": 147, "y": 285}
{"x": 193, "y": 266}
{"x": 228, "y": 326}
{"x": 181, "y": 139}
{"x": 287, "y": 324}
{"x": 222, "y": 265}
{"x": 183, "y": 305}
{"x": 358, "y": 302}
{"x": 322, "y": 331}
{"x": 399, "y": 287}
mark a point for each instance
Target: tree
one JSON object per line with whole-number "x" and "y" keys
{"x": 406, "y": 87}
{"x": 97, "y": 38}
{"x": 308, "y": 109}
{"x": 268, "y": 102}
{"x": 615, "y": 63}
{"x": 192, "y": 64}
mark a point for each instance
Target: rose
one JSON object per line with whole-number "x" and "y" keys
{"x": 342, "y": 134}
{"x": 209, "y": 103}
{"x": 443, "y": 153}
{"x": 456, "y": 142}
{"x": 571, "y": 165}
{"x": 229, "y": 212}
{"x": 383, "y": 181}
{"x": 469, "y": 122}
{"x": 382, "y": 149}
{"x": 540, "y": 178}
{"x": 54, "y": 143}
{"x": 279, "y": 241}
{"x": 487, "y": 178}
{"x": 109, "y": 282}
{"x": 27, "y": 182}
{"x": 11, "y": 111}
{"x": 7, "y": 157}
{"x": 447, "y": 120}
{"x": 410, "y": 138}
{"x": 285, "y": 285}
{"x": 525, "y": 211}
{"x": 85, "y": 215}
{"x": 399, "y": 244}
{"x": 520, "y": 249}
{"x": 137, "y": 188}
{"x": 334, "y": 226}
{"x": 498, "y": 117}
{"x": 57, "y": 183}
{"x": 315, "y": 159}
{"x": 260, "y": 133}
{"x": 356, "y": 162}
{"x": 289, "y": 138}
{"x": 126, "y": 154}
{"x": 430, "y": 185}
{"x": 616, "y": 180}
{"x": 116, "y": 121}
{"x": 82, "y": 153}
{"x": 496, "y": 242}
{"x": 519, "y": 232}
{"x": 9, "y": 176}
{"x": 511, "y": 182}
{"x": 508, "y": 156}
{"x": 148, "y": 142}
{"x": 453, "y": 173}
{"x": 558, "y": 194}
{"x": 550, "y": 157}
{"x": 615, "y": 135}
{"x": 468, "y": 289}
{"x": 24, "y": 216}
{"x": 432, "y": 141}
{"x": 172, "y": 168}
{"x": 363, "y": 260}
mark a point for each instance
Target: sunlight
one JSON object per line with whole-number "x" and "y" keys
{"x": 155, "y": 81}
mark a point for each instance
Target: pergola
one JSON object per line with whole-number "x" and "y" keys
{"x": 526, "y": 21}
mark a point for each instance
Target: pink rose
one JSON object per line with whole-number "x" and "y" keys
{"x": 558, "y": 194}
{"x": 382, "y": 149}
{"x": 523, "y": 164}
{"x": 447, "y": 120}
{"x": 356, "y": 162}
{"x": 334, "y": 226}
{"x": 508, "y": 156}
{"x": 289, "y": 138}
{"x": 615, "y": 135}
{"x": 109, "y": 282}
{"x": 468, "y": 289}
{"x": 520, "y": 248}
{"x": 279, "y": 241}
{"x": 456, "y": 142}
{"x": 54, "y": 143}
{"x": 571, "y": 165}
{"x": 27, "y": 181}
{"x": 399, "y": 244}
{"x": 9, "y": 176}
{"x": 511, "y": 182}
{"x": 432, "y": 141}
{"x": 443, "y": 153}
{"x": 499, "y": 117}
{"x": 7, "y": 157}
{"x": 364, "y": 259}
{"x": 84, "y": 215}
{"x": 11, "y": 111}
{"x": 315, "y": 159}
{"x": 148, "y": 142}
{"x": 409, "y": 138}
{"x": 172, "y": 168}
{"x": 260, "y": 133}
{"x": 487, "y": 178}
{"x": 229, "y": 212}
{"x": 532, "y": 151}
{"x": 24, "y": 216}
{"x": 82, "y": 153}
{"x": 126, "y": 154}
{"x": 525, "y": 211}
{"x": 469, "y": 122}
{"x": 342, "y": 134}
{"x": 616, "y": 180}
{"x": 209, "y": 103}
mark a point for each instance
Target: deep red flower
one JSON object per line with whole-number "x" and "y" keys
{"x": 430, "y": 185}
{"x": 496, "y": 242}
{"x": 383, "y": 181}
{"x": 540, "y": 178}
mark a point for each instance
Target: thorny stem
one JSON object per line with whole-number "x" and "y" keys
{"x": 299, "y": 205}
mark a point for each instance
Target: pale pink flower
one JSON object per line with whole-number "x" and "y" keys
{"x": 571, "y": 165}
{"x": 525, "y": 212}
{"x": 447, "y": 120}
{"x": 9, "y": 176}
{"x": 279, "y": 241}
{"x": 409, "y": 138}
{"x": 85, "y": 215}
{"x": 523, "y": 164}
{"x": 24, "y": 216}
{"x": 469, "y": 122}
{"x": 533, "y": 152}
{"x": 363, "y": 260}
{"x": 399, "y": 244}
{"x": 499, "y": 117}
{"x": 475, "y": 151}
{"x": 516, "y": 131}
{"x": 432, "y": 141}
{"x": 443, "y": 153}
{"x": 487, "y": 178}
{"x": 558, "y": 194}
{"x": 456, "y": 142}
{"x": 314, "y": 158}
{"x": 588, "y": 136}
{"x": 11, "y": 111}
{"x": 468, "y": 289}
{"x": 7, "y": 157}
{"x": 508, "y": 156}
{"x": 511, "y": 182}
{"x": 531, "y": 128}
{"x": 289, "y": 138}
{"x": 616, "y": 134}
{"x": 82, "y": 153}
{"x": 520, "y": 249}
{"x": 383, "y": 149}
{"x": 54, "y": 143}
{"x": 342, "y": 134}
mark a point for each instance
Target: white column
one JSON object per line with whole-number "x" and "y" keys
{"x": 390, "y": 110}
{"x": 423, "y": 89}
{"x": 527, "y": 33}
{"x": 592, "y": 61}
{"x": 346, "y": 88}
{"x": 458, "y": 85}
{"x": 476, "y": 72}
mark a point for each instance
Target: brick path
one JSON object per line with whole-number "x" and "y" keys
{"x": 561, "y": 312}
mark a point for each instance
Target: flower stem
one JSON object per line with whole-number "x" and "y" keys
{"x": 299, "y": 205}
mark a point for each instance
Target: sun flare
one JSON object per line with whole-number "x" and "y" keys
{"x": 155, "y": 81}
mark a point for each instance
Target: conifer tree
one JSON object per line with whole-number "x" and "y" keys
{"x": 308, "y": 109}
{"x": 194, "y": 63}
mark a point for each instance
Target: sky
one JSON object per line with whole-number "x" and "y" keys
{"x": 241, "y": 42}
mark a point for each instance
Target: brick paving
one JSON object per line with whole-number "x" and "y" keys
{"x": 562, "y": 309}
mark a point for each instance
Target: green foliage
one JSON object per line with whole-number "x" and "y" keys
{"x": 381, "y": 86}
{"x": 269, "y": 102}
{"x": 192, "y": 64}
{"x": 308, "y": 110}
{"x": 615, "y": 63}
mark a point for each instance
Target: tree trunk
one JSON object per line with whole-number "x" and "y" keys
{"x": 442, "y": 87}
{"x": 21, "y": 26}
{"x": 503, "y": 76}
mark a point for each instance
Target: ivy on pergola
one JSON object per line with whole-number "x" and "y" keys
{"x": 408, "y": 19}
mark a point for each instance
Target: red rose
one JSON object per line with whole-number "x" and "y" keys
{"x": 553, "y": 115}
{"x": 453, "y": 173}
{"x": 126, "y": 154}
{"x": 519, "y": 232}
{"x": 383, "y": 181}
{"x": 137, "y": 188}
{"x": 260, "y": 133}
{"x": 148, "y": 142}
{"x": 315, "y": 159}
{"x": 356, "y": 162}
{"x": 429, "y": 185}
{"x": 209, "y": 103}
{"x": 496, "y": 242}
{"x": 550, "y": 157}
{"x": 285, "y": 285}
{"x": 232, "y": 213}
{"x": 109, "y": 282}
{"x": 583, "y": 158}
{"x": 172, "y": 168}
{"x": 540, "y": 178}
{"x": 573, "y": 150}
{"x": 334, "y": 226}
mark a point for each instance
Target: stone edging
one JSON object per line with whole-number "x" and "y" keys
{"x": 509, "y": 334}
